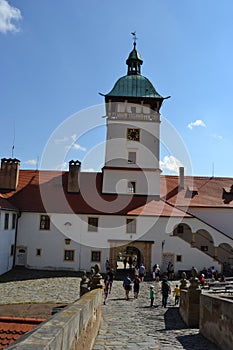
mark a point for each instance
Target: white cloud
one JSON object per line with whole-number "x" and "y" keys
{"x": 90, "y": 170}
{"x": 197, "y": 122}
{"x": 64, "y": 139}
{"x": 8, "y": 15}
{"x": 62, "y": 166}
{"x": 171, "y": 164}
{"x": 31, "y": 162}
{"x": 74, "y": 137}
{"x": 74, "y": 145}
{"x": 77, "y": 147}
{"x": 218, "y": 137}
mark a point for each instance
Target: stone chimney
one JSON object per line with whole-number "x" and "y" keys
{"x": 9, "y": 173}
{"x": 181, "y": 178}
{"x": 73, "y": 176}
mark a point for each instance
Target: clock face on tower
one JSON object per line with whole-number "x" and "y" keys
{"x": 133, "y": 134}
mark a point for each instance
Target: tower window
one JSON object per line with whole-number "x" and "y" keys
{"x": 132, "y": 186}
{"x": 132, "y": 157}
{"x": 130, "y": 225}
{"x": 93, "y": 224}
{"x": 133, "y": 109}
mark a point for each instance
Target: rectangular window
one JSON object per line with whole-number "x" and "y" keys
{"x": 93, "y": 224}
{"x": 179, "y": 258}
{"x": 131, "y": 186}
{"x": 132, "y": 157}
{"x": 44, "y": 222}
{"x": 133, "y": 109}
{"x": 6, "y": 221}
{"x": 69, "y": 255}
{"x": 38, "y": 252}
{"x": 96, "y": 256}
{"x": 12, "y": 249}
{"x": 13, "y": 221}
{"x": 130, "y": 225}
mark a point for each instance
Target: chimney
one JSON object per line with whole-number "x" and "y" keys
{"x": 181, "y": 178}
{"x": 9, "y": 173}
{"x": 73, "y": 176}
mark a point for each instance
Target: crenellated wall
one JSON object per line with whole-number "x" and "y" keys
{"x": 73, "y": 328}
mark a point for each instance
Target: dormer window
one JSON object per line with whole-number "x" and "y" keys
{"x": 192, "y": 191}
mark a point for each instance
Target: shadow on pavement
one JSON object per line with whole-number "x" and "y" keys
{"x": 196, "y": 342}
{"x": 173, "y": 319}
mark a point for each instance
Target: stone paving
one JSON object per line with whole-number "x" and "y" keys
{"x": 125, "y": 324}
{"x": 135, "y": 325}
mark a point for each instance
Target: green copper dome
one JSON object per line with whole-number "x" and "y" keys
{"x": 134, "y": 84}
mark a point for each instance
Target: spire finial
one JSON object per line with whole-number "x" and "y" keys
{"x": 134, "y": 38}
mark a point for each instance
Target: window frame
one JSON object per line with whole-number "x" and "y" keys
{"x": 132, "y": 159}
{"x": 38, "y": 251}
{"x": 13, "y": 222}
{"x": 6, "y": 221}
{"x": 98, "y": 253}
{"x": 131, "y": 189}
{"x": 46, "y": 222}
{"x": 92, "y": 227}
{"x": 131, "y": 225}
{"x": 69, "y": 255}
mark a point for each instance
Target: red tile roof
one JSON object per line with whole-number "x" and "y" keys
{"x": 40, "y": 191}
{"x": 12, "y": 328}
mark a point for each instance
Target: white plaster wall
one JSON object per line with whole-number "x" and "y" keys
{"x": 116, "y": 181}
{"x": 83, "y": 242}
{"x": 7, "y": 239}
{"x": 117, "y": 144}
{"x": 221, "y": 218}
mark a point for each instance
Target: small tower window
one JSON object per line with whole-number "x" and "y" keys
{"x": 132, "y": 157}
{"x": 131, "y": 186}
{"x": 133, "y": 109}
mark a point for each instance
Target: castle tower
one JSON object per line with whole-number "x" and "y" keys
{"x": 133, "y": 133}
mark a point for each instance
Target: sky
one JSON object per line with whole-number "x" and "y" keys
{"x": 57, "y": 56}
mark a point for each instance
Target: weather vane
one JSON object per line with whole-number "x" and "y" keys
{"x": 134, "y": 37}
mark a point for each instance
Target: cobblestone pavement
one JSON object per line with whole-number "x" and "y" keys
{"x": 34, "y": 293}
{"x": 135, "y": 325}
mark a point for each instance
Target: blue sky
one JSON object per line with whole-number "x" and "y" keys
{"x": 56, "y": 56}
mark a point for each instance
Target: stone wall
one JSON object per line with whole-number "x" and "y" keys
{"x": 216, "y": 320}
{"x": 189, "y": 307}
{"x": 73, "y": 328}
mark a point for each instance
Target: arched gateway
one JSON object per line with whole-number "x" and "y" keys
{"x": 139, "y": 249}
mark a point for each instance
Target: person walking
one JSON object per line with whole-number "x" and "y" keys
{"x": 165, "y": 289}
{"x": 127, "y": 286}
{"x": 152, "y": 295}
{"x": 111, "y": 275}
{"x": 106, "y": 287}
{"x": 176, "y": 293}
{"x": 142, "y": 272}
{"x": 136, "y": 286}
